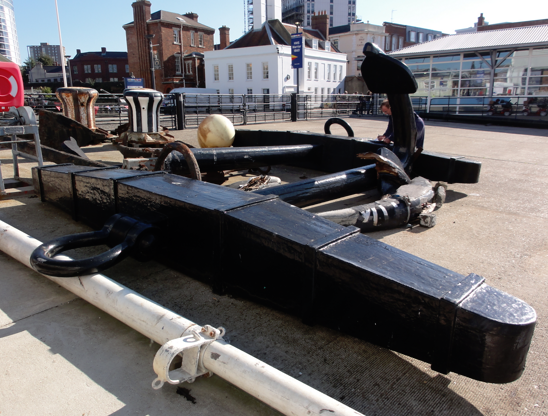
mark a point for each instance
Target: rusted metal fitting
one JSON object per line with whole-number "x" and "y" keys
{"x": 78, "y": 104}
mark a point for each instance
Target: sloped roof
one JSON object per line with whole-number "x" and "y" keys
{"x": 486, "y": 40}
{"x": 111, "y": 55}
{"x": 274, "y": 32}
{"x": 170, "y": 17}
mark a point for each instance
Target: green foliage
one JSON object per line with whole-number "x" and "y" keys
{"x": 46, "y": 60}
{"x": 46, "y": 90}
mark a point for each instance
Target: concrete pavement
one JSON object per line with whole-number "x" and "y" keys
{"x": 61, "y": 355}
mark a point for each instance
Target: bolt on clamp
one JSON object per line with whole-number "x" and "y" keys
{"x": 190, "y": 348}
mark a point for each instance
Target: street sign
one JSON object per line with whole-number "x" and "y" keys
{"x": 131, "y": 83}
{"x": 296, "y": 51}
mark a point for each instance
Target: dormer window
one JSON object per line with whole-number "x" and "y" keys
{"x": 328, "y": 46}
{"x": 314, "y": 43}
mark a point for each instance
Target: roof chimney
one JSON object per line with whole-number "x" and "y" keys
{"x": 320, "y": 22}
{"x": 78, "y": 51}
{"x": 224, "y": 33}
{"x": 103, "y": 50}
{"x": 481, "y": 20}
{"x": 192, "y": 16}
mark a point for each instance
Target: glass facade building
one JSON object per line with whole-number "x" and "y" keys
{"x": 514, "y": 72}
{"x": 9, "y": 44}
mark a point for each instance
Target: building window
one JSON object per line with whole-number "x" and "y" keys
{"x": 421, "y": 37}
{"x": 394, "y": 42}
{"x": 97, "y": 68}
{"x": 335, "y": 42}
{"x": 231, "y": 91}
{"x": 429, "y": 37}
{"x": 127, "y": 68}
{"x": 249, "y": 91}
{"x": 178, "y": 64}
{"x": 328, "y": 46}
{"x": 113, "y": 79}
{"x": 323, "y": 72}
{"x": 314, "y": 43}
{"x": 188, "y": 67}
{"x": 315, "y": 90}
{"x": 316, "y": 65}
{"x": 112, "y": 68}
{"x": 400, "y": 44}
{"x": 331, "y": 9}
{"x": 329, "y": 72}
{"x": 249, "y": 73}
{"x": 412, "y": 36}
{"x": 331, "y": 21}
{"x": 230, "y": 72}
{"x": 98, "y": 79}
{"x": 340, "y": 73}
{"x": 309, "y": 71}
{"x": 215, "y": 72}
{"x": 176, "y": 35}
{"x": 192, "y": 41}
{"x": 89, "y": 80}
{"x": 201, "y": 40}
{"x": 265, "y": 70}
{"x": 75, "y": 69}
{"x": 387, "y": 46}
{"x": 87, "y": 69}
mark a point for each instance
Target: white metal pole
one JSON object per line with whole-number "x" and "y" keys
{"x": 61, "y": 46}
{"x": 278, "y": 390}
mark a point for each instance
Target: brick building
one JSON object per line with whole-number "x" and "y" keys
{"x": 175, "y": 35}
{"x": 98, "y": 67}
{"x": 401, "y": 36}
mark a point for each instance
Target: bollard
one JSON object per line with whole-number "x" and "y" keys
{"x": 144, "y": 109}
{"x": 144, "y": 119}
{"x": 78, "y": 104}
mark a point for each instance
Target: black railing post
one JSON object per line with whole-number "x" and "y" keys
{"x": 180, "y": 111}
{"x": 294, "y": 109}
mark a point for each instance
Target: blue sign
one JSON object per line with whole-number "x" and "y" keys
{"x": 297, "y": 51}
{"x": 131, "y": 83}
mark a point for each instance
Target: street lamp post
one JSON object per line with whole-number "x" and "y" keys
{"x": 150, "y": 37}
{"x": 182, "y": 52}
{"x": 69, "y": 75}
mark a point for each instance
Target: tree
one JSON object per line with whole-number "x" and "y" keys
{"x": 46, "y": 60}
{"x": 26, "y": 67}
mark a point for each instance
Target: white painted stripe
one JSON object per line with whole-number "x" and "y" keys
{"x": 384, "y": 211}
{"x": 366, "y": 215}
{"x": 143, "y": 108}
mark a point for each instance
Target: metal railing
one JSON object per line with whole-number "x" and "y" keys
{"x": 513, "y": 106}
{"x": 111, "y": 110}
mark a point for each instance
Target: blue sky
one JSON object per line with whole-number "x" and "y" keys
{"x": 93, "y": 24}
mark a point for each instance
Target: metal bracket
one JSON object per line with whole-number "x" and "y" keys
{"x": 190, "y": 347}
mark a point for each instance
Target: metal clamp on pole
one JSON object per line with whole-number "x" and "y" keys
{"x": 190, "y": 347}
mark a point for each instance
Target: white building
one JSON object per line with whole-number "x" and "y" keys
{"x": 340, "y": 12}
{"x": 41, "y": 74}
{"x": 351, "y": 39}
{"x": 9, "y": 44}
{"x": 260, "y": 63}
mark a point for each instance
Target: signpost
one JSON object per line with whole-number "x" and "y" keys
{"x": 297, "y": 53}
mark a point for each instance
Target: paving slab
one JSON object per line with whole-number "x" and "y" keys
{"x": 63, "y": 356}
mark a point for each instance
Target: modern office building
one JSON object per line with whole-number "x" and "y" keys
{"x": 45, "y": 49}
{"x": 511, "y": 62}
{"x": 340, "y": 12}
{"x": 9, "y": 44}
